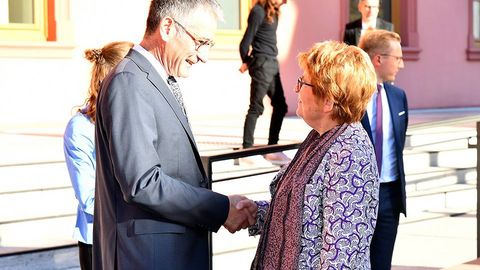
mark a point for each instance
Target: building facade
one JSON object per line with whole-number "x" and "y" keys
{"x": 440, "y": 39}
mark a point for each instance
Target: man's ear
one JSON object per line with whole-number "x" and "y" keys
{"x": 377, "y": 60}
{"x": 166, "y": 28}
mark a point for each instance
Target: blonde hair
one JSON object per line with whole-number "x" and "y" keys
{"x": 104, "y": 60}
{"x": 377, "y": 41}
{"x": 343, "y": 74}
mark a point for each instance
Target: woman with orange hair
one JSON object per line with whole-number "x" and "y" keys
{"x": 79, "y": 146}
{"x": 324, "y": 204}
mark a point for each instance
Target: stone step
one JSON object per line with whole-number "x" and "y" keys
{"x": 39, "y": 233}
{"x": 415, "y": 160}
{"x": 447, "y": 200}
{"x": 49, "y": 175}
{"x": 60, "y": 258}
{"x": 436, "y": 177}
{"x": 41, "y": 204}
{"x": 17, "y": 149}
{"x": 435, "y": 135}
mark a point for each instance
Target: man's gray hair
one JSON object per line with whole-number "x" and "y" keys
{"x": 179, "y": 10}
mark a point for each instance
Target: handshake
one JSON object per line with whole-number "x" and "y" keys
{"x": 242, "y": 213}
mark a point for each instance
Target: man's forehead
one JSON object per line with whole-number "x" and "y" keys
{"x": 371, "y": 2}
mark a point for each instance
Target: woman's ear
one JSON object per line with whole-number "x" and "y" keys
{"x": 328, "y": 105}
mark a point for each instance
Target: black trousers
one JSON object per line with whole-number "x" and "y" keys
{"x": 265, "y": 75}
{"x": 85, "y": 255}
{"x": 383, "y": 241}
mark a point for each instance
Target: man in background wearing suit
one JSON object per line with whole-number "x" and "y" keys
{"x": 369, "y": 10}
{"x": 386, "y": 123}
{"x": 152, "y": 206}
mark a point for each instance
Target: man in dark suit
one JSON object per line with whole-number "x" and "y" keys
{"x": 386, "y": 123}
{"x": 152, "y": 206}
{"x": 369, "y": 10}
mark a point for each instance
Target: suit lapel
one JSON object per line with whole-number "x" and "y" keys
{"x": 366, "y": 126}
{"x": 394, "y": 111}
{"x": 358, "y": 33}
{"x": 162, "y": 87}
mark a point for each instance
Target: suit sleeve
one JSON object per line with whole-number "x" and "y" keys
{"x": 132, "y": 136}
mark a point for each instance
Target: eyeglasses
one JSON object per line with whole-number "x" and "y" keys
{"x": 199, "y": 41}
{"x": 301, "y": 83}
{"x": 398, "y": 58}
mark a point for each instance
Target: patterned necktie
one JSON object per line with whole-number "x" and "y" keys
{"x": 379, "y": 129}
{"x": 176, "y": 92}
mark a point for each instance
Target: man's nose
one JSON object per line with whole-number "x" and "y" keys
{"x": 202, "y": 54}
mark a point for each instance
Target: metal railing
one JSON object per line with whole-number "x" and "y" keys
{"x": 207, "y": 161}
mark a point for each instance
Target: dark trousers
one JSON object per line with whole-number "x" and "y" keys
{"x": 85, "y": 255}
{"x": 383, "y": 241}
{"x": 265, "y": 75}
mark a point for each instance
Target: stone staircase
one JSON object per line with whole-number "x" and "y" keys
{"x": 440, "y": 168}
{"x": 37, "y": 203}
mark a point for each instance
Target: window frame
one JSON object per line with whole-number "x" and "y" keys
{"x": 57, "y": 41}
{"x": 227, "y": 40}
{"x": 473, "y": 49}
{"x": 407, "y": 26}
{"x": 42, "y": 29}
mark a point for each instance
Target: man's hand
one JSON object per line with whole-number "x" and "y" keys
{"x": 242, "y": 213}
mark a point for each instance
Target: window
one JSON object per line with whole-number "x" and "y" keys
{"x": 476, "y": 21}
{"x": 231, "y": 30}
{"x": 384, "y": 12}
{"x": 232, "y": 16}
{"x": 403, "y": 14}
{"x": 473, "y": 50}
{"x": 27, "y": 20}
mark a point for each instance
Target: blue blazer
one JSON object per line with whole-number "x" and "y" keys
{"x": 397, "y": 101}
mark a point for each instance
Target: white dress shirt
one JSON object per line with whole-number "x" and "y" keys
{"x": 389, "y": 170}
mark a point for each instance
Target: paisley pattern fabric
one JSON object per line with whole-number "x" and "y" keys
{"x": 339, "y": 206}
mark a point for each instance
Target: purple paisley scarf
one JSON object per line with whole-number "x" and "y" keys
{"x": 279, "y": 245}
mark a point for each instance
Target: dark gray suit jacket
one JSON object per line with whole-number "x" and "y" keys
{"x": 152, "y": 207}
{"x": 397, "y": 102}
{"x": 353, "y": 30}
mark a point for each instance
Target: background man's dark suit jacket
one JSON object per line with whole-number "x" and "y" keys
{"x": 397, "y": 101}
{"x": 353, "y": 30}
{"x": 152, "y": 207}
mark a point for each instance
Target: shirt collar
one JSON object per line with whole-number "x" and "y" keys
{"x": 373, "y": 25}
{"x": 155, "y": 63}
